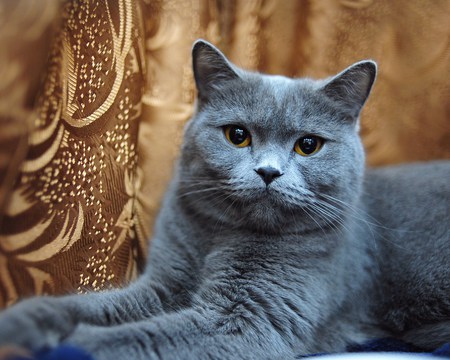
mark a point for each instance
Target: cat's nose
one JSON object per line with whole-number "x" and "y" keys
{"x": 268, "y": 173}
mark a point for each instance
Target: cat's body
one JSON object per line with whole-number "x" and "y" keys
{"x": 273, "y": 241}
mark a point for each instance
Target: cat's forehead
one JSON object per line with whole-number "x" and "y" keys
{"x": 276, "y": 102}
{"x": 277, "y": 82}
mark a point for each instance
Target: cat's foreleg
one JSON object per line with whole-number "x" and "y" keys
{"x": 45, "y": 321}
{"x": 227, "y": 319}
{"x": 188, "y": 334}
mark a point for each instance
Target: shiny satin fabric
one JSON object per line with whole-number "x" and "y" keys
{"x": 86, "y": 153}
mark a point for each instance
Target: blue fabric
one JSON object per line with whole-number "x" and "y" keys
{"x": 391, "y": 345}
{"x": 386, "y": 345}
{"x": 443, "y": 351}
{"x": 66, "y": 352}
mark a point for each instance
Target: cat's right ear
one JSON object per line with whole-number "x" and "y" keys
{"x": 211, "y": 69}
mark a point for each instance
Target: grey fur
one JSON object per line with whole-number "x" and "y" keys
{"x": 326, "y": 255}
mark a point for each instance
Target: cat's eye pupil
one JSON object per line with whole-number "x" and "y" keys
{"x": 237, "y": 135}
{"x": 308, "y": 144}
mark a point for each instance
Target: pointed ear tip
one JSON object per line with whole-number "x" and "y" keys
{"x": 370, "y": 65}
{"x": 199, "y": 44}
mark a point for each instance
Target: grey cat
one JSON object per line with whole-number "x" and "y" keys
{"x": 273, "y": 240}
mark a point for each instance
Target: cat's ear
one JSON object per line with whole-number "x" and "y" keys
{"x": 211, "y": 68}
{"x": 351, "y": 88}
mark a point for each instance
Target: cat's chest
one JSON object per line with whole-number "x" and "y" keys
{"x": 259, "y": 253}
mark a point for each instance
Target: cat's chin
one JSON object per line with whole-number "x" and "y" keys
{"x": 263, "y": 209}
{"x": 268, "y": 212}
{"x": 270, "y": 221}
{"x": 276, "y": 200}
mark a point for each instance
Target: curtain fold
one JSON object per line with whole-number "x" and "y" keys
{"x": 92, "y": 124}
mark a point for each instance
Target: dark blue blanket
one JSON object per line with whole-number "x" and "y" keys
{"x": 66, "y": 352}
{"x": 394, "y": 346}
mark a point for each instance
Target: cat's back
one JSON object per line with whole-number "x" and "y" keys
{"x": 409, "y": 208}
{"x": 411, "y": 195}
{"x": 409, "y": 204}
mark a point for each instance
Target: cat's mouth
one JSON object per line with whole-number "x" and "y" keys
{"x": 271, "y": 197}
{"x": 271, "y": 210}
{"x": 285, "y": 195}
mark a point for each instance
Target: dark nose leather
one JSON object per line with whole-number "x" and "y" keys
{"x": 268, "y": 174}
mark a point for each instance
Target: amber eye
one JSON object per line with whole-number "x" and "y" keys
{"x": 308, "y": 145}
{"x": 237, "y": 135}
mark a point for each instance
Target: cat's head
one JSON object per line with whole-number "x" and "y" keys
{"x": 268, "y": 152}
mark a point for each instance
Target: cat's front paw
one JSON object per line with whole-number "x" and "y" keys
{"x": 35, "y": 324}
{"x": 124, "y": 341}
{"x": 95, "y": 341}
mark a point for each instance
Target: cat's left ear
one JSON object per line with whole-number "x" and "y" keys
{"x": 351, "y": 88}
{"x": 211, "y": 69}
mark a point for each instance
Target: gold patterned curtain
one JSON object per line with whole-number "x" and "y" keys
{"x": 95, "y": 94}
